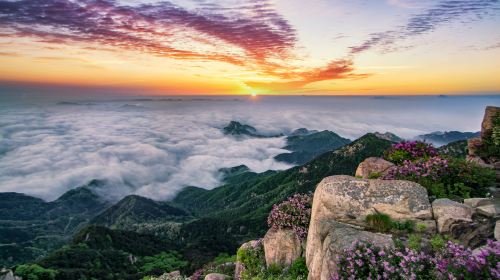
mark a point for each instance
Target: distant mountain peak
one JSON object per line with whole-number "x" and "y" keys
{"x": 440, "y": 138}
{"x": 388, "y": 136}
{"x": 236, "y": 128}
{"x": 302, "y": 132}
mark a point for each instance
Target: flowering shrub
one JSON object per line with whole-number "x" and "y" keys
{"x": 457, "y": 262}
{"x": 410, "y": 151}
{"x": 293, "y": 213}
{"x": 197, "y": 275}
{"x": 433, "y": 168}
{"x": 365, "y": 261}
{"x": 252, "y": 259}
{"x": 441, "y": 176}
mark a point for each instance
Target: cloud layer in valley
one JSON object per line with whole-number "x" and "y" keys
{"x": 155, "y": 148}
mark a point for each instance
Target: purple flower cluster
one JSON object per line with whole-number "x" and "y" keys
{"x": 458, "y": 262}
{"x": 198, "y": 274}
{"x": 432, "y": 168}
{"x": 365, "y": 261}
{"x": 410, "y": 150}
{"x": 294, "y": 213}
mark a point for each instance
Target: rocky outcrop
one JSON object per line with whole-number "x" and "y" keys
{"x": 340, "y": 206}
{"x": 373, "y": 166}
{"x": 7, "y": 274}
{"x": 471, "y": 226}
{"x": 449, "y": 213}
{"x": 476, "y": 201}
{"x": 348, "y": 199}
{"x": 281, "y": 247}
{"x": 489, "y": 207}
{"x": 328, "y": 238}
{"x": 216, "y": 276}
{"x": 489, "y": 115}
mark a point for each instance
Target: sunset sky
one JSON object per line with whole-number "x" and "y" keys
{"x": 260, "y": 47}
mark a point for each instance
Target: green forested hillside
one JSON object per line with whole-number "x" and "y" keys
{"x": 246, "y": 204}
{"x": 31, "y": 227}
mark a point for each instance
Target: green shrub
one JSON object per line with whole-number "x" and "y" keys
{"x": 421, "y": 228}
{"x": 161, "y": 263}
{"x": 374, "y": 175}
{"x": 298, "y": 270}
{"x": 274, "y": 270}
{"x": 407, "y": 225}
{"x": 379, "y": 222}
{"x": 438, "y": 242}
{"x": 415, "y": 242}
{"x": 35, "y": 272}
{"x": 253, "y": 260}
{"x": 223, "y": 258}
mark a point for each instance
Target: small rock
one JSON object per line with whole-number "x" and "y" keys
{"x": 373, "y": 165}
{"x": 476, "y": 201}
{"x": 281, "y": 247}
{"x": 490, "y": 210}
{"x": 216, "y": 276}
{"x": 497, "y": 230}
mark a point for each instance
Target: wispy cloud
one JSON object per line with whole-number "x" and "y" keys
{"x": 251, "y": 34}
{"x": 427, "y": 21}
{"x": 340, "y": 69}
{"x": 255, "y": 30}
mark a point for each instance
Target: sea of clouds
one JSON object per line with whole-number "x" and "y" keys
{"x": 156, "y": 146}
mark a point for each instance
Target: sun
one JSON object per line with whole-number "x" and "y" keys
{"x": 253, "y": 94}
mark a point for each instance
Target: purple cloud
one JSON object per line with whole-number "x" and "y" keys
{"x": 256, "y": 29}
{"x": 427, "y": 21}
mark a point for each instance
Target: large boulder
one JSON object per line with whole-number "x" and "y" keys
{"x": 281, "y": 247}
{"x": 328, "y": 238}
{"x": 348, "y": 199}
{"x": 489, "y": 115}
{"x": 448, "y": 213}
{"x": 342, "y": 202}
{"x": 373, "y": 166}
{"x": 471, "y": 227}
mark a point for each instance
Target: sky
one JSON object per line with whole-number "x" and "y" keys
{"x": 195, "y": 47}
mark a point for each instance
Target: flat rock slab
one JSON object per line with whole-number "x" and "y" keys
{"x": 347, "y": 198}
